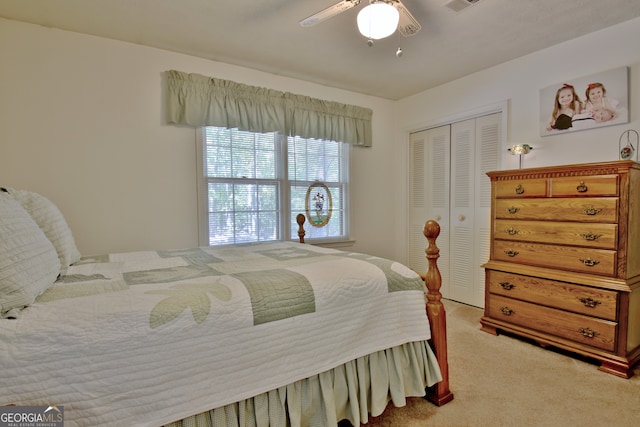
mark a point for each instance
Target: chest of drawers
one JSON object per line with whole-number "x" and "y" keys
{"x": 564, "y": 267}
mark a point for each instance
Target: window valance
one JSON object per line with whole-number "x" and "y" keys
{"x": 198, "y": 100}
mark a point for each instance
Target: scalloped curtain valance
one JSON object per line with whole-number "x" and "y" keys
{"x": 197, "y": 100}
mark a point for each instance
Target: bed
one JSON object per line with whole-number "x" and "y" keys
{"x": 265, "y": 334}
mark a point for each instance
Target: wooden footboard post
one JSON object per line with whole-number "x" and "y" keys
{"x": 300, "y": 218}
{"x": 439, "y": 393}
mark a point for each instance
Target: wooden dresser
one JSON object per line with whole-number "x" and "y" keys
{"x": 564, "y": 268}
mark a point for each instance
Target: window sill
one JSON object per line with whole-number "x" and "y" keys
{"x": 335, "y": 244}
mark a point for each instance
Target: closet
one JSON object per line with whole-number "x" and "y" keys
{"x": 448, "y": 183}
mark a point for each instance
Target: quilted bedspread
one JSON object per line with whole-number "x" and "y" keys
{"x": 145, "y": 338}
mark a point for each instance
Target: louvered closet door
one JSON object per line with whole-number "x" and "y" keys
{"x": 448, "y": 182}
{"x": 474, "y": 151}
{"x": 429, "y": 172}
{"x": 488, "y": 143}
{"x": 463, "y": 137}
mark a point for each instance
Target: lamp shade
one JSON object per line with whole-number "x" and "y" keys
{"x": 520, "y": 149}
{"x": 378, "y": 20}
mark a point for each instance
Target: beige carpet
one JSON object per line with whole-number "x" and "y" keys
{"x": 506, "y": 382}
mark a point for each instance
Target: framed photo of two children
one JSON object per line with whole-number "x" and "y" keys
{"x": 588, "y": 102}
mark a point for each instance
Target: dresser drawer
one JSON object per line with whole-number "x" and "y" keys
{"x": 573, "y": 258}
{"x": 585, "y": 186}
{"x": 604, "y": 236}
{"x": 576, "y": 327}
{"x": 594, "y": 302}
{"x": 522, "y": 188}
{"x": 595, "y": 209}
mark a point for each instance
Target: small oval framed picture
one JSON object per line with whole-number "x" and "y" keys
{"x": 318, "y": 204}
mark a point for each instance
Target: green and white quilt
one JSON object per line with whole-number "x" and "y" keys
{"x": 145, "y": 338}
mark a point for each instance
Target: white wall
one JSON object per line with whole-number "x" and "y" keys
{"x": 81, "y": 122}
{"x": 517, "y": 84}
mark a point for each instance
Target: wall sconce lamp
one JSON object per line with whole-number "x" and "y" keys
{"x": 520, "y": 150}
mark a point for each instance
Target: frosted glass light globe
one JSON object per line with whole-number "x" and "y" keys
{"x": 378, "y": 20}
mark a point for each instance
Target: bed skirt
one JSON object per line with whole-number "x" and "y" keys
{"x": 352, "y": 391}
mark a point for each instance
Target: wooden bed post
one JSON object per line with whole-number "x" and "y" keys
{"x": 439, "y": 393}
{"x": 300, "y": 218}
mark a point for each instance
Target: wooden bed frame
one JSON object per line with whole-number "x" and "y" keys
{"x": 439, "y": 393}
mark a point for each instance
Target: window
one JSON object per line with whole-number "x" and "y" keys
{"x": 252, "y": 185}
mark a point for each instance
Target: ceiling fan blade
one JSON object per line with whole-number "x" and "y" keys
{"x": 408, "y": 25}
{"x": 329, "y": 12}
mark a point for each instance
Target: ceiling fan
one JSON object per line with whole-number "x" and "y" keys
{"x": 406, "y": 24}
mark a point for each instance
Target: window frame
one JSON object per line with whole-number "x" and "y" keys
{"x": 286, "y": 221}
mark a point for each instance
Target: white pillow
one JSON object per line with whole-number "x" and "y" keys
{"x": 47, "y": 215}
{"x": 29, "y": 263}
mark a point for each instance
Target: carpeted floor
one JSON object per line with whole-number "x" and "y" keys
{"x": 507, "y": 382}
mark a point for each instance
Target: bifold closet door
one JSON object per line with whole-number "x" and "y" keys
{"x": 488, "y": 158}
{"x": 448, "y": 183}
{"x": 429, "y": 172}
{"x": 474, "y": 152}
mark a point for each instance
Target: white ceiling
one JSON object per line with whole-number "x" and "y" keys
{"x": 265, "y": 35}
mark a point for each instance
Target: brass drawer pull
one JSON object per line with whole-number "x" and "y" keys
{"x": 589, "y": 262}
{"x": 507, "y": 286}
{"x": 586, "y": 332}
{"x": 589, "y": 302}
{"x": 511, "y": 253}
{"x": 513, "y": 210}
{"x": 582, "y": 188}
{"x": 519, "y": 189}
{"x": 511, "y": 231}
{"x": 590, "y": 236}
{"x": 591, "y": 211}
{"x": 506, "y": 311}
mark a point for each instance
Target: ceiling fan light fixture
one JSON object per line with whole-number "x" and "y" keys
{"x": 378, "y": 20}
